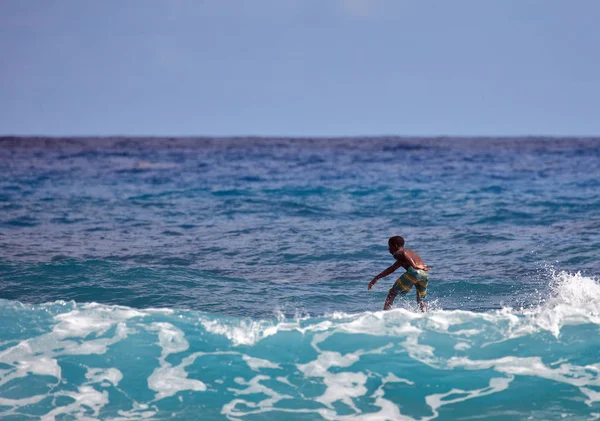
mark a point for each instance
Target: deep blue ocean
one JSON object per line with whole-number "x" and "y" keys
{"x": 226, "y": 279}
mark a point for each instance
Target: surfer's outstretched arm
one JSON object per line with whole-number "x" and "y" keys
{"x": 385, "y": 273}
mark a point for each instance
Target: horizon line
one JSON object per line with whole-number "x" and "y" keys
{"x": 296, "y": 137}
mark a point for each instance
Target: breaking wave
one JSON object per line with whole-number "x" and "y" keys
{"x": 66, "y": 360}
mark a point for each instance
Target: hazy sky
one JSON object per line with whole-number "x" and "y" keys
{"x": 291, "y": 67}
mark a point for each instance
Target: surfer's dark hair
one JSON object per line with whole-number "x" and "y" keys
{"x": 396, "y": 241}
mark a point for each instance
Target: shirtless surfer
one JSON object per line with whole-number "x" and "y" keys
{"x": 417, "y": 274}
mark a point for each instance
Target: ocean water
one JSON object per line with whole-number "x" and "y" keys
{"x": 226, "y": 279}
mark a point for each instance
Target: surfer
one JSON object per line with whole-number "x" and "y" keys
{"x": 417, "y": 274}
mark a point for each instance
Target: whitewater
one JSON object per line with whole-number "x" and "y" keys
{"x": 87, "y": 360}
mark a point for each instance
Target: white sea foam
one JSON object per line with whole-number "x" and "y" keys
{"x": 257, "y": 363}
{"x": 138, "y": 412}
{"x": 78, "y": 323}
{"x": 42, "y": 366}
{"x": 85, "y": 398}
{"x": 593, "y": 395}
{"x": 337, "y": 359}
{"x": 246, "y": 332}
{"x": 462, "y": 346}
{"x": 91, "y": 318}
{"x": 578, "y": 376}
{"x": 388, "y": 410}
{"x": 167, "y": 380}
{"x": 340, "y": 386}
{"x": 435, "y": 401}
{"x": 170, "y": 338}
{"x": 39, "y": 355}
{"x": 98, "y": 375}
{"x": 392, "y": 378}
{"x": 16, "y": 403}
{"x": 253, "y": 387}
{"x": 326, "y": 360}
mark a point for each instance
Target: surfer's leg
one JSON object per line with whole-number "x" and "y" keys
{"x": 401, "y": 287}
{"x": 421, "y": 291}
{"x": 421, "y": 288}
{"x": 390, "y": 299}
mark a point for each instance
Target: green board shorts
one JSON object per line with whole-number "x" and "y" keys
{"x": 412, "y": 276}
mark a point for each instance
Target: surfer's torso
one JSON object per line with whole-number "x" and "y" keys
{"x": 408, "y": 258}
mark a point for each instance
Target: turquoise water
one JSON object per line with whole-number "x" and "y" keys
{"x": 227, "y": 279}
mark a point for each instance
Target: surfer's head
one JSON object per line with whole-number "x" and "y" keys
{"x": 395, "y": 243}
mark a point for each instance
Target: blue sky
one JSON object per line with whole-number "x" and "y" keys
{"x": 299, "y": 68}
